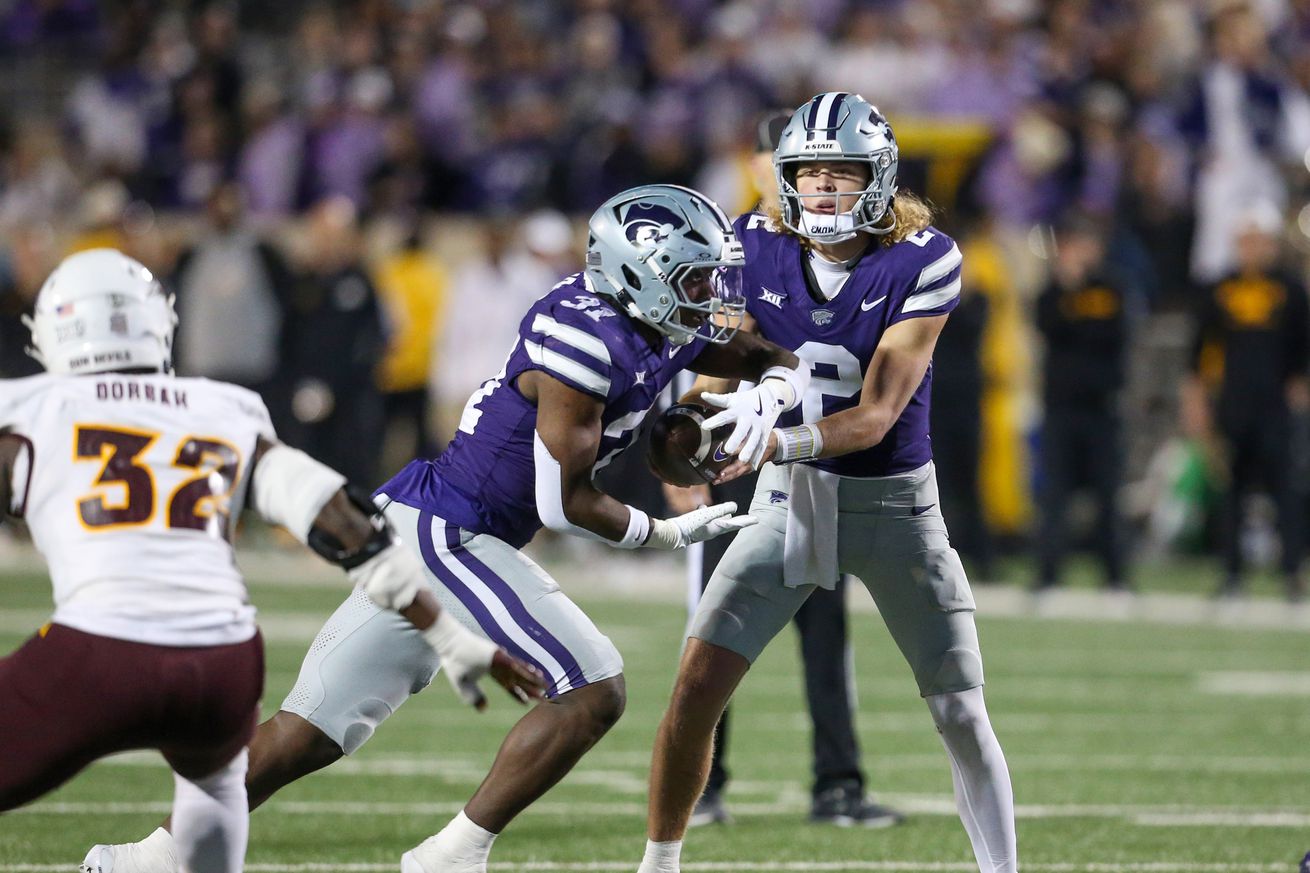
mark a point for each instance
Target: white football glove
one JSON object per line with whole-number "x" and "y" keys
{"x": 465, "y": 656}
{"x": 696, "y": 526}
{"x": 392, "y": 579}
{"x": 754, "y": 412}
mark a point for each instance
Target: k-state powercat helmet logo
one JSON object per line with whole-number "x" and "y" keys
{"x": 649, "y": 224}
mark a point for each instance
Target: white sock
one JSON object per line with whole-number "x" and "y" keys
{"x": 464, "y": 844}
{"x": 159, "y": 844}
{"x": 661, "y": 857}
{"x": 982, "y": 780}
{"x": 211, "y": 820}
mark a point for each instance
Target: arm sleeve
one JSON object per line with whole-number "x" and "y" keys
{"x": 565, "y": 349}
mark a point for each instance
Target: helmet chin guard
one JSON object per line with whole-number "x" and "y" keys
{"x": 100, "y": 311}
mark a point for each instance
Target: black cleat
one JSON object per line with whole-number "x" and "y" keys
{"x": 846, "y": 806}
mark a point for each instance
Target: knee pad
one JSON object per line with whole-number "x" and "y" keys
{"x": 957, "y": 670}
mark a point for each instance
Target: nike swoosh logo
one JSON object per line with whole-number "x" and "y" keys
{"x": 865, "y": 307}
{"x": 719, "y": 455}
{"x": 920, "y": 510}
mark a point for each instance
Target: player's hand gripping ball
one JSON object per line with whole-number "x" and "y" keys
{"x": 680, "y": 452}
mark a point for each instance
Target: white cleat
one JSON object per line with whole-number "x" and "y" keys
{"x": 430, "y": 857}
{"x": 154, "y": 854}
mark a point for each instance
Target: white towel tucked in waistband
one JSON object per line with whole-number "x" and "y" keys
{"x": 809, "y": 553}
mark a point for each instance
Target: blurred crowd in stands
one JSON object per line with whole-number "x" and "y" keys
{"x": 355, "y": 200}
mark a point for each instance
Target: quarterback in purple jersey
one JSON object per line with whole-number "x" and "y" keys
{"x": 852, "y": 277}
{"x": 661, "y": 292}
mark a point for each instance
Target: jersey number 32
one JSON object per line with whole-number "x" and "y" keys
{"x": 199, "y": 502}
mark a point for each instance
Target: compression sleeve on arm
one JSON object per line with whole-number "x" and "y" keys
{"x": 550, "y": 503}
{"x": 290, "y": 488}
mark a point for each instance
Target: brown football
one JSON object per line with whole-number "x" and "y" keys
{"x": 680, "y": 453}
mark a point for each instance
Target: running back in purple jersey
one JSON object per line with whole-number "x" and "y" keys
{"x": 919, "y": 276}
{"x": 485, "y": 480}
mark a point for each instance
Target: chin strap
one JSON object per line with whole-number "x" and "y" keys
{"x": 828, "y": 228}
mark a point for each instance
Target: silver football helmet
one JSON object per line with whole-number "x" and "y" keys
{"x": 837, "y": 126}
{"x": 668, "y": 256}
{"x": 101, "y": 310}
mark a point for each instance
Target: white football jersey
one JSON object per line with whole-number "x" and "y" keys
{"x": 131, "y": 486}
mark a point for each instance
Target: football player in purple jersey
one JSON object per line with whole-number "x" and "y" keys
{"x": 851, "y": 276}
{"x": 660, "y": 293}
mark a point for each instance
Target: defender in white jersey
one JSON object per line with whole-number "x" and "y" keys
{"x": 129, "y": 480}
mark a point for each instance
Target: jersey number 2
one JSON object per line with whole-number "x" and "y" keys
{"x": 834, "y": 372}
{"x": 193, "y": 505}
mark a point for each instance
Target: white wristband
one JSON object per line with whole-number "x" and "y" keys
{"x": 638, "y": 530}
{"x": 800, "y": 443}
{"x": 797, "y": 380}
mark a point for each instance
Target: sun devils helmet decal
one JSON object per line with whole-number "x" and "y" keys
{"x": 649, "y": 224}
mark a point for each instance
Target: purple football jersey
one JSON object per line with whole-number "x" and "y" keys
{"x": 485, "y": 481}
{"x": 919, "y": 276}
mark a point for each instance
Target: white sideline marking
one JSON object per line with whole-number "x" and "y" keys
{"x": 761, "y": 867}
{"x": 1223, "y": 820}
{"x": 461, "y": 769}
{"x": 1255, "y": 683}
{"x": 1141, "y": 815}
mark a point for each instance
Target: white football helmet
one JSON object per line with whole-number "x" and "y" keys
{"x": 101, "y": 310}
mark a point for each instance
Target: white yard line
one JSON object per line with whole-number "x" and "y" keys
{"x": 461, "y": 768}
{"x": 1255, "y": 683}
{"x": 1140, "y": 814}
{"x": 759, "y": 867}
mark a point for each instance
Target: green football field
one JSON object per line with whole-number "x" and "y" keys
{"x": 1156, "y": 745}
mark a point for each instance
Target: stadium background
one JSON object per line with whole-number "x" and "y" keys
{"x": 354, "y": 202}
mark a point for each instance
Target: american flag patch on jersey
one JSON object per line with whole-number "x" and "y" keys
{"x": 64, "y": 309}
